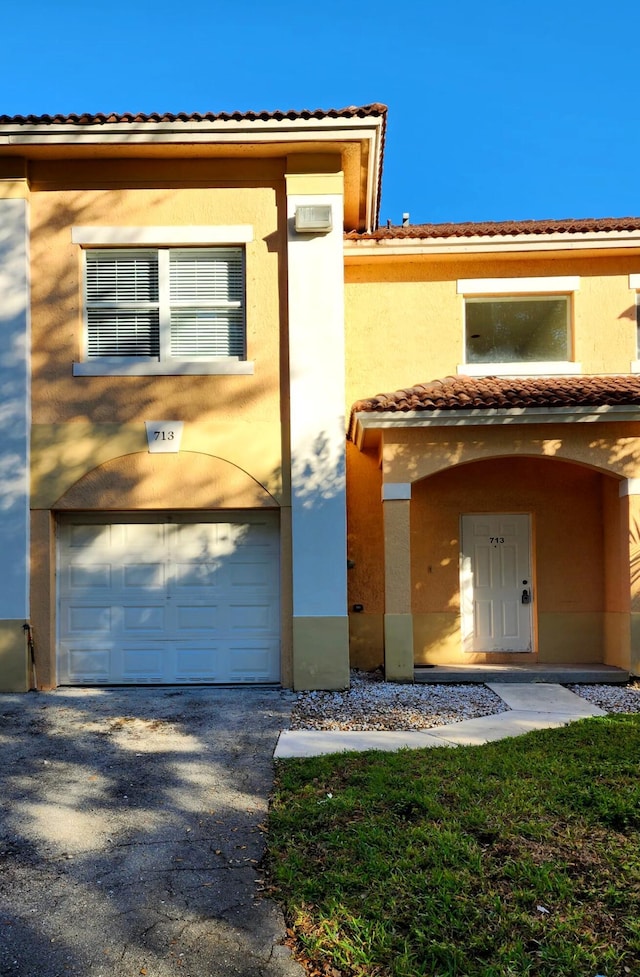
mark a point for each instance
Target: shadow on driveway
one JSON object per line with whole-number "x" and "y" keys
{"x": 131, "y": 831}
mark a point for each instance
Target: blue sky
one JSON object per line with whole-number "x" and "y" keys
{"x": 498, "y": 109}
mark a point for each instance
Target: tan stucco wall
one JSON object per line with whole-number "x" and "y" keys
{"x": 132, "y": 195}
{"x": 64, "y": 454}
{"x": 318, "y": 658}
{"x": 89, "y": 447}
{"x": 412, "y": 454}
{"x": 80, "y": 423}
{"x": 405, "y": 321}
{"x": 15, "y": 665}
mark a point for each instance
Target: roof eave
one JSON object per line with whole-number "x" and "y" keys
{"x": 368, "y": 248}
{"x": 363, "y": 422}
{"x": 366, "y": 129}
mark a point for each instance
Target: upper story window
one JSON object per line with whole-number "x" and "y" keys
{"x": 165, "y": 303}
{"x": 518, "y": 326}
{"x": 517, "y": 330}
{"x": 164, "y": 310}
{"x": 634, "y": 284}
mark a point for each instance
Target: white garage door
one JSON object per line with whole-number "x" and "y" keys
{"x": 162, "y": 599}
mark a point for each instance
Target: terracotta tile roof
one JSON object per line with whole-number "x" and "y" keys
{"x": 85, "y": 119}
{"x": 510, "y": 228}
{"x": 482, "y": 393}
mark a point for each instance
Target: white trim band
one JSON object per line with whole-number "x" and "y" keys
{"x": 557, "y": 368}
{"x": 396, "y": 491}
{"x": 518, "y": 286}
{"x": 373, "y": 420}
{"x": 629, "y": 486}
{"x": 204, "y": 234}
{"x": 141, "y": 367}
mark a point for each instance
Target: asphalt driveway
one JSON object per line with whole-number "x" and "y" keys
{"x": 131, "y": 831}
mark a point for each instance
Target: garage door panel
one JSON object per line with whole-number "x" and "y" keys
{"x": 87, "y": 577}
{"x": 147, "y": 538}
{"x": 197, "y": 617}
{"x": 196, "y": 663}
{"x": 251, "y": 617}
{"x": 86, "y": 618}
{"x": 90, "y": 663}
{"x": 143, "y": 663}
{"x": 144, "y": 618}
{"x": 167, "y": 601}
{"x": 251, "y": 662}
{"x": 196, "y": 575}
{"x": 251, "y": 575}
{"x": 85, "y": 537}
{"x": 144, "y": 576}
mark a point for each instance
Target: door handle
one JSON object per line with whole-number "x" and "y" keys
{"x": 526, "y": 595}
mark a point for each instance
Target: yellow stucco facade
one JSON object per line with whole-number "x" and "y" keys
{"x": 405, "y": 326}
{"x": 88, "y": 438}
{"x": 367, "y": 537}
{"x": 87, "y": 469}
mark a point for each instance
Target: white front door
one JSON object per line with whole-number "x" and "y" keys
{"x": 495, "y": 582}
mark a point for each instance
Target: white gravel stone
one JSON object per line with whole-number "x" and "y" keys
{"x": 611, "y": 698}
{"x": 372, "y": 704}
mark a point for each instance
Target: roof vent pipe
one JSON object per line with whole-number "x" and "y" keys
{"x": 405, "y": 220}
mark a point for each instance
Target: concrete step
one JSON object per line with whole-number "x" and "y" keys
{"x": 559, "y": 674}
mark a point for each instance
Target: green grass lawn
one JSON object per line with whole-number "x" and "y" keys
{"x": 521, "y": 857}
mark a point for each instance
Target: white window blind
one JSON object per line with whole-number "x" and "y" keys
{"x": 206, "y": 299}
{"x": 122, "y": 303}
{"x": 165, "y": 303}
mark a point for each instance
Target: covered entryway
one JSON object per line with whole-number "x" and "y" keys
{"x": 168, "y": 598}
{"x": 451, "y": 459}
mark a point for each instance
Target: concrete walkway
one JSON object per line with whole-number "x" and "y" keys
{"x": 530, "y": 707}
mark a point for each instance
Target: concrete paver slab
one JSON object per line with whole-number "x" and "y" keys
{"x": 531, "y": 707}
{"x": 307, "y": 742}
{"x": 131, "y": 831}
{"x": 488, "y": 729}
{"x": 544, "y": 698}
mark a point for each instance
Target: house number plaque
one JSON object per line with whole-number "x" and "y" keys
{"x": 164, "y": 437}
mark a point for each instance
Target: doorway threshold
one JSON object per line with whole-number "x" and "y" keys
{"x": 558, "y": 674}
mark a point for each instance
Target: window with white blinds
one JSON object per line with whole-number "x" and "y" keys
{"x": 165, "y": 303}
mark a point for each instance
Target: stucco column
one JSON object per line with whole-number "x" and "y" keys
{"x": 14, "y": 454}
{"x": 317, "y": 427}
{"x": 630, "y": 501}
{"x": 398, "y": 620}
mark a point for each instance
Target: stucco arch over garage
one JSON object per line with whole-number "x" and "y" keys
{"x": 138, "y": 482}
{"x": 189, "y": 480}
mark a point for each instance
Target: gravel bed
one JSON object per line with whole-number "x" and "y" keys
{"x": 611, "y": 698}
{"x": 372, "y": 704}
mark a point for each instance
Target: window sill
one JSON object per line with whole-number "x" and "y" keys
{"x": 550, "y": 369}
{"x": 635, "y": 366}
{"x": 169, "y": 368}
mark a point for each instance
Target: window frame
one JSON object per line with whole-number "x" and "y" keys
{"x": 161, "y": 240}
{"x": 634, "y": 285}
{"x": 501, "y": 289}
